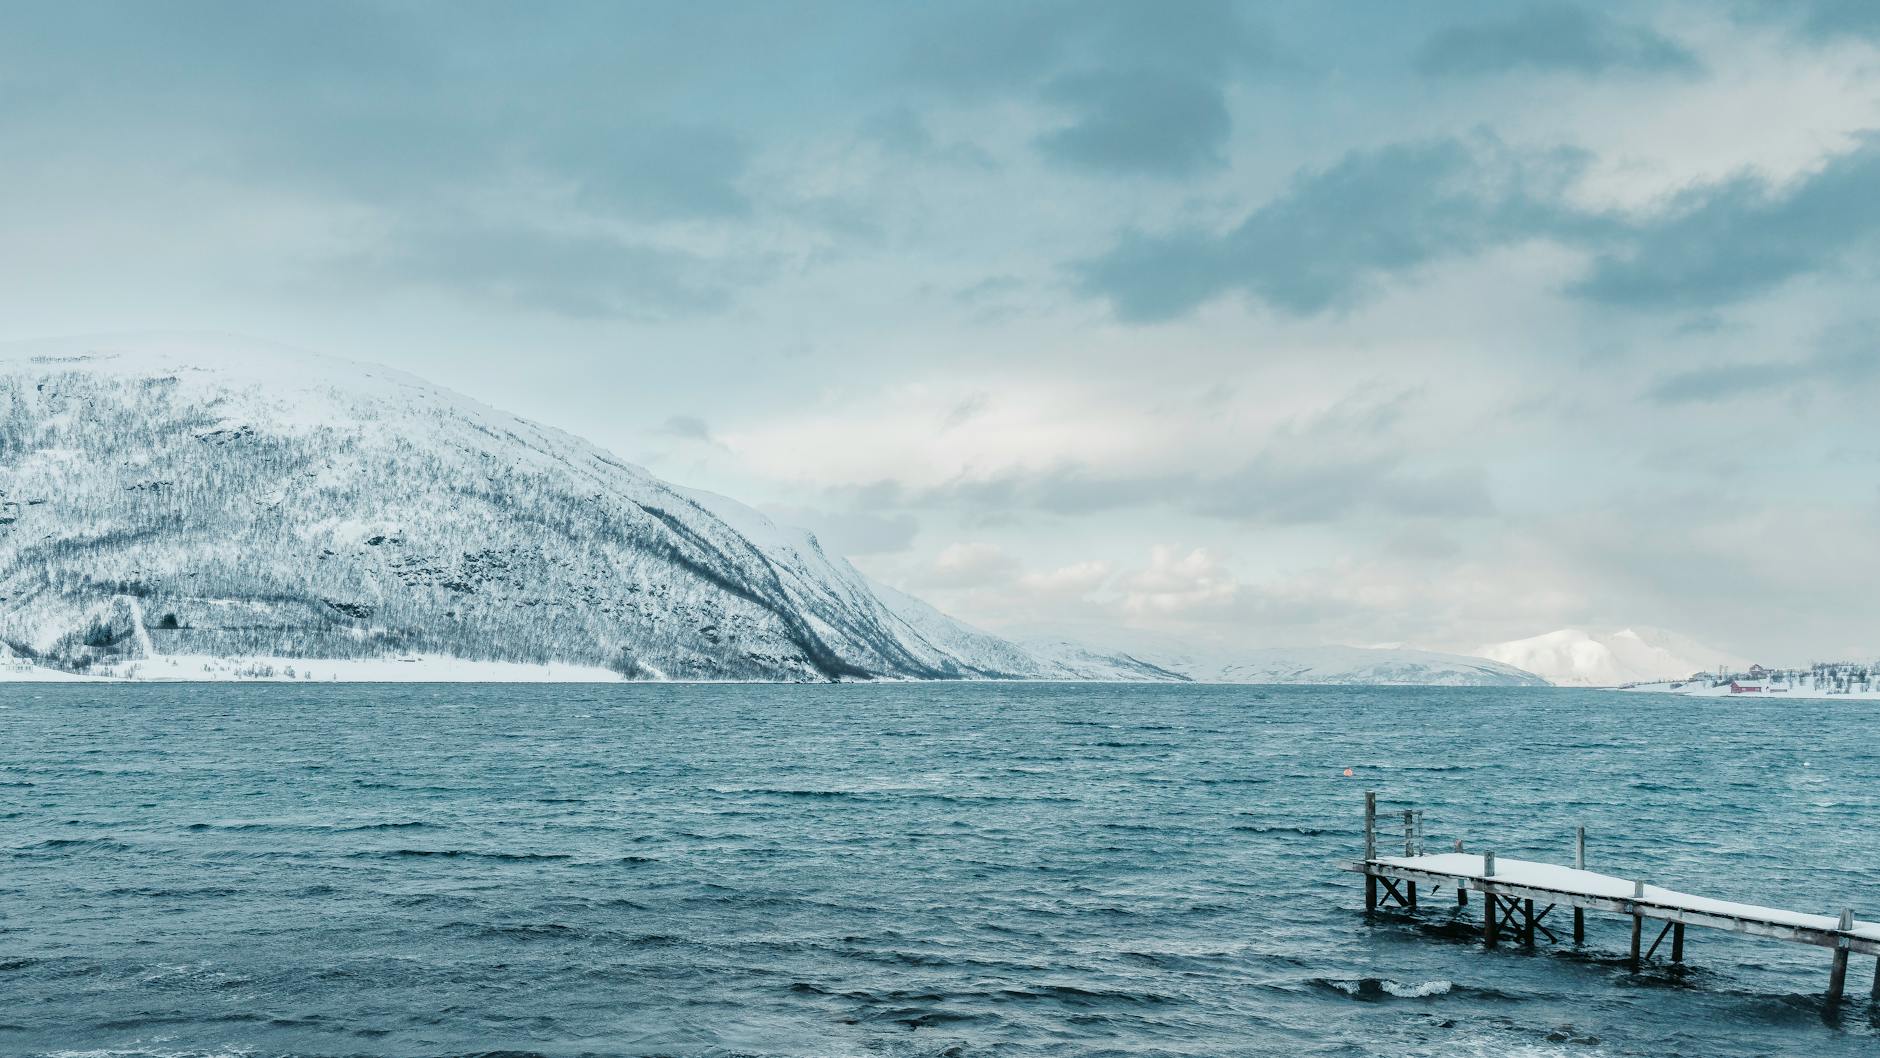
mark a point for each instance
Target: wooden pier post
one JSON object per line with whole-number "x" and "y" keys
{"x": 1370, "y": 848}
{"x": 1677, "y": 942}
{"x": 1579, "y": 863}
{"x": 1876, "y": 980}
{"x": 1638, "y": 924}
{"x": 1491, "y": 925}
{"x": 1527, "y": 925}
{"x": 1837, "y": 978}
{"x": 1462, "y": 892}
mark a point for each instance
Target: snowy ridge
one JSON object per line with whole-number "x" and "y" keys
{"x": 1372, "y": 666}
{"x": 209, "y": 499}
{"x": 1582, "y": 658}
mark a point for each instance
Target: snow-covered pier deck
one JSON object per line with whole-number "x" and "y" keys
{"x": 1512, "y": 889}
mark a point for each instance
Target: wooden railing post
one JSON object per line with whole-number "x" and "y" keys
{"x": 1370, "y": 849}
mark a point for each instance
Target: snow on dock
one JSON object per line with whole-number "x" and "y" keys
{"x": 1512, "y": 889}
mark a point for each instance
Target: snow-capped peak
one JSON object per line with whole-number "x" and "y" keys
{"x": 1589, "y": 658}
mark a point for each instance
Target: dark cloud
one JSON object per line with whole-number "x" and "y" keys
{"x": 570, "y": 274}
{"x": 1552, "y": 37}
{"x": 1847, "y": 361}
{"x": 1269, "y": 489}
{"x": 688, "y": 428}
{"x": 1139, "y": 122}
{"x": 652, "y": 171}
{"x": 1143, "y": 85}
{"x": 993, "y": 47}
{"x": 1338, "y": 232}
{"x": 1821, "y": 19}
{"x": 1281, "y": 491}
{"x": 1740, "y": 238}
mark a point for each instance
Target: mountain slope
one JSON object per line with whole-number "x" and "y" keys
{"x": 1352, "y": 666}
{"x": 202, "y": 497}
{"x": 1584, "y": 658}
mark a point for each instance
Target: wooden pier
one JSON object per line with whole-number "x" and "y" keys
{"x": 1511, "y": 890}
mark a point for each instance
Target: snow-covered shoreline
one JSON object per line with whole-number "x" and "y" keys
{"x": 413, "y": 669}
{"x": 1804, "y": 689}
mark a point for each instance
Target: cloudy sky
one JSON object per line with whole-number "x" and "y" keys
{"x": 1271, "y": 324}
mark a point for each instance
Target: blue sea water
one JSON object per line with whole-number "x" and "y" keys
{"x": 895, "y": 870}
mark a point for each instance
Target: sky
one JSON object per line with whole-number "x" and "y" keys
{"x": 1225, "y": 325}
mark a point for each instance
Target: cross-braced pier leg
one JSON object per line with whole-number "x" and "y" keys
{"x": 1490, "y": 921}
{"x": 1649, "y": 952}
{"x": 1380, "y": 891}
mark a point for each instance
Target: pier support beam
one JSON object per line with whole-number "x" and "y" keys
{"x": 1579, "y": 863}
{"x": 1491, "y": 921}
{"x": 1677, "y": 942}
{"x": 1638, "y": 934}
{"x": 1410, "y": 895}
{"x": 1837, "y": 978}
{"x": 1370, "y": 892}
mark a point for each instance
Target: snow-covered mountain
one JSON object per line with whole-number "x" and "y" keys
{"x": 1218, "y": 662}
{"x": 197, "y": 508}
{"x": 187, "y": 498}
{"x": 1584, "y": 658}
{"x": 1375, "y": 666}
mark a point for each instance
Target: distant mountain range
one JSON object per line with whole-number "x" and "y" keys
{"x": 1578, "y": 657}
{"x": 195, "y": 508}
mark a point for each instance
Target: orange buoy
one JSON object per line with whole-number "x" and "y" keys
{"x": 1347, "y": 773}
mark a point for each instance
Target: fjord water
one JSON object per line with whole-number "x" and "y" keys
{"x": 894, "y": 870}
